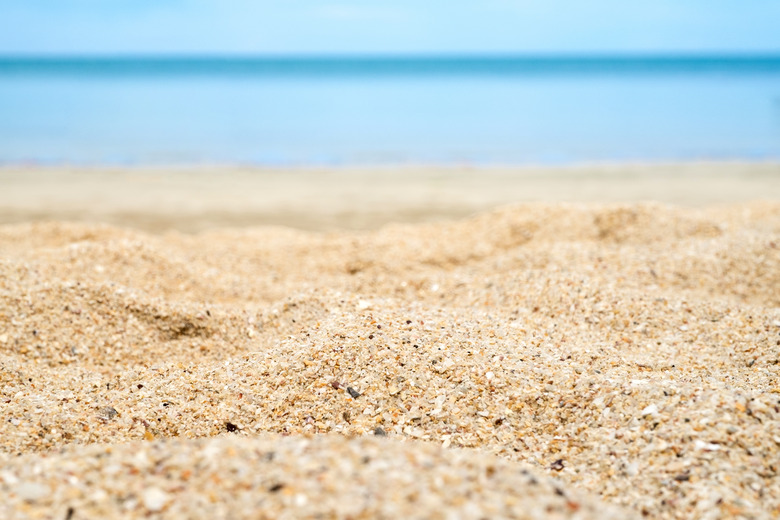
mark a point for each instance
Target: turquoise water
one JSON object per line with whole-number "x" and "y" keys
{"x": 333, "y": 111}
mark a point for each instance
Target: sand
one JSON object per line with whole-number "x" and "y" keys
{"x": 323, "y": 199}
{"x": 581, "y": 359}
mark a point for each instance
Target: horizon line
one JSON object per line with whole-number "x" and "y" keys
{"x": 395, "y": 55}
{"x": 300, "y": 65}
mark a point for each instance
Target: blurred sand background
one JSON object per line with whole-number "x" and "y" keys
{"x": 194, "y": 199}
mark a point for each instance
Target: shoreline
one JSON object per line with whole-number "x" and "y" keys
{"x": 192, "y": 199}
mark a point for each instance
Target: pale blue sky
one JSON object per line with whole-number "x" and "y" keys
{"x": 383, "y": 26}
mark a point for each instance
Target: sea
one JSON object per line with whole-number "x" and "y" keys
{"x": 387, "y": 110}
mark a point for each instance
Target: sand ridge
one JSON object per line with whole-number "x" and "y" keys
{"x": 629, "y": 352}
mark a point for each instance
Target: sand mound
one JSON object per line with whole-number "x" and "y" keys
{"x": 285, "y": 477}
{"x": 631, "y": 352}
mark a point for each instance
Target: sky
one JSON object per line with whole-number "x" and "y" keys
{"x": 387, "y": 26}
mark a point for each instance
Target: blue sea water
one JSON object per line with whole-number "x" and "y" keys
{"x": 388, "y": 110}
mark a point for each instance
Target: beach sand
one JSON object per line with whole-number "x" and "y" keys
{"x": 323, "y": 199}
{"x": 599, "y": 343}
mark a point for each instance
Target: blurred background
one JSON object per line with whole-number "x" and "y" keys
{"x": 497, "y": 82}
